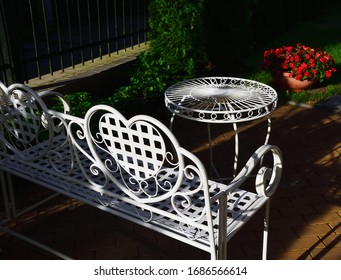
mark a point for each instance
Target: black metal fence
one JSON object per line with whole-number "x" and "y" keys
{"x": 43, "y": 36}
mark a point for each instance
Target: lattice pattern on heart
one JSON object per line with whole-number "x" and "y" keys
{"x": 21, "y": 114}
{"x": 139, "y": 148}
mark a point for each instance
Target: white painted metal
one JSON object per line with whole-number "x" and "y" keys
{"x": 221, "y": 100}
{"x": 134, "y": 168}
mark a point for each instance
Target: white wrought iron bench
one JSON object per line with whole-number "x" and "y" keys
{"x": 134, "y": 169}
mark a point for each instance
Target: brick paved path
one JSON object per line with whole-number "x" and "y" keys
{"x": 305, "y": 212}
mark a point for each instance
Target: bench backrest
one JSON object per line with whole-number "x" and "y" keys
{"x": 141, "y": 148}
{"x": 24, "y": 122}
{"x": 137, "y": 162}
{"x": 142, "y": 158}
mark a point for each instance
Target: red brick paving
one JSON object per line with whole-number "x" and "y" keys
{"x": 305, "y": 212}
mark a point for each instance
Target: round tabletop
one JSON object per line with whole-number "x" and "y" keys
{"x": 221, "y": 99}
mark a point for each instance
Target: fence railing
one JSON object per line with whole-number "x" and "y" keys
{"x": 44, "y": 36}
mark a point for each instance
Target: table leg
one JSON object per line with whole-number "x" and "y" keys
{"x": 173, "y": 115}
{"x": 236, "y": 144}
{"x": 267, "y": 136}
{"x": 268, "y": 132}
{"x": 171, "y": 122}
{"x": 210, "y": 150}
{"x": 236, "y": 149}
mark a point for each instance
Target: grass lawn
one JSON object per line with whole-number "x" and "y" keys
{"x": 323, "y": 32}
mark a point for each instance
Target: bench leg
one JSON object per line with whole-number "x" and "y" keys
{"x": 222, "y": 238}
{"x": 266, "y": 230}
{"x": 11, "y": 212}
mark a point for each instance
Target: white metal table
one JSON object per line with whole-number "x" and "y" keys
{"x": 221, "y": 100}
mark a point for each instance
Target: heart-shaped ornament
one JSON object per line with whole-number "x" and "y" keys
{"x": 138, "y": 147}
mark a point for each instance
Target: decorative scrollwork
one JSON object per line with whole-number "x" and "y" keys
{"x": 182, "y": 201}
{"x": 130, "y": 153}
{"x": 267, "y": 179}
{"x": 29, "y": 129}
{"x": 191, "y": 232}
{"x": 60, "y": 153}
{"x": 264, "y": 181}
{"x": 111, "y": 165}
{"x": 145, "y": 215}
{"x": 210, "y": 98}
{"x": 91, "y": 169}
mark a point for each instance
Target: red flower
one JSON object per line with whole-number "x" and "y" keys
{"x": 298, "y": 77}
{"x": 297, "y": 58}
{"x": 301, "y": 62}
{"x": 304, "y": 65}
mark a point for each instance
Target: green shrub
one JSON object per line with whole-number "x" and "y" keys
{"x": 177, "y": 35}
{"x": 177, "y": 52}
{"x": 80, "y": 103}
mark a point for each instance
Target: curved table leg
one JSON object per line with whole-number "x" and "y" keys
{"x": 268, "y": 131}
{"x": 211, "y": 152}
{"x": 171, "y": 122}
{"x": 236, "y": 149}
{"x": 267, "y": 135}
{"x": 236, "y": 144}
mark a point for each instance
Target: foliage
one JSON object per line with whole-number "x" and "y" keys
{"x": 300, "y": 61}
{"x": 177, "y": 51}
{"x": 176, "y": 34}
{"x": 183, "y": 35}
{"x": 312, "y": 96}
{"x": 151, "y": 77}
{"x": 80, "y": 103}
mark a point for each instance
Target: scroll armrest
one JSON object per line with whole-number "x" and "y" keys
{"x": 267, "y": 179}
{"x": 61, "y": 97}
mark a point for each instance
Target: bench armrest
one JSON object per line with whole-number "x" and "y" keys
{"x": 267, "y": 179}
{"x": 61, "y": 97}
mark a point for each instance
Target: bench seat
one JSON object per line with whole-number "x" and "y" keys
{"x": 241, "y": 204}
{"x": 134, "y": 169}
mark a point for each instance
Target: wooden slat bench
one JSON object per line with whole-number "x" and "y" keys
{"x": 135, "y": 169}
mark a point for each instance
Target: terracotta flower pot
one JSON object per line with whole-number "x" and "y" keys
{"x": 284, "y": 82}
